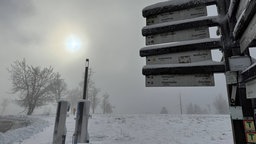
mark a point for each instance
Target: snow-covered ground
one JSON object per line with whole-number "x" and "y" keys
{"x": 134, "y": 129}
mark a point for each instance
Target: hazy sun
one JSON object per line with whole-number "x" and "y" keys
{"x": 73, "y": 43}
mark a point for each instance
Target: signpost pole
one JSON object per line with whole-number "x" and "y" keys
{"x": 236, "y": 91}
{"x": 180, "y": 63}
{"x": 59, "y": 133}
{"x": 81, "y": 134}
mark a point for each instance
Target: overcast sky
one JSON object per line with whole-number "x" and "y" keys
{"x": 110, "y": 35}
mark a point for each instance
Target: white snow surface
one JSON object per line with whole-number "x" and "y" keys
{"x": 133, "y": 129}
{"x": 17, "y": 135}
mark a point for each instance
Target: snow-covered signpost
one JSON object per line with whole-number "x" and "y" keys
{"x": 178, "y": 52}
{"x": 59, "y": 133}
{"x": 81, "y": 134}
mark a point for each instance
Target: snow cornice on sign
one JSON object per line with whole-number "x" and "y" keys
{"x": 174, "y": 47}
{"x": 174, "y": 5}
{"x": 165, "y": 27}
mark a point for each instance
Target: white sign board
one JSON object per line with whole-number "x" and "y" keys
{"x": 239, "y": 63}
{"x": 251, "y": 89}
{"x": 180, "y": 80}
{"x": 182, "y": 57}
{"x": 236, "y": 113}
{"x": 182, "y": 35}
{"x": 249, "y": 35}
{"x": 178, "y": 15}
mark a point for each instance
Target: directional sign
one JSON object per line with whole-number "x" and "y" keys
{"x": 179, "y": 80}
{"x": 171, "y": 62}
{"x": 177, "y": 15}
{"x": 249, "y": 125}
{"x": 182, "y": 35}
{"x": 250, "y": 137}
{"x": 204, "y": 67}
{"x": 184, "y": 46}
{"x": 182, "y": 57}
{"x": 251, "y": 89}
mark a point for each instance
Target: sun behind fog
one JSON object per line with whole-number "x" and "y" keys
{"x": 73, "y": 43}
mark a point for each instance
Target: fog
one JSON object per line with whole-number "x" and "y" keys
{"x": 110, "y": 34}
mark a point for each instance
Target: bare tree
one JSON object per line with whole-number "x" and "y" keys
{"x": 106, "y": 105}
{"x": 58, "y": 87}
{"x": 32, "y": 84}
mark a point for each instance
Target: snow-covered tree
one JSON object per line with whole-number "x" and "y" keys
{"x": 106, "y": 105}
{"x": 58, "y": 87}
{"x": 32, "y": 84}
{"x": 93, "y": 97}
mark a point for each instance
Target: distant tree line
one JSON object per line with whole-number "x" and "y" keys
{"x": 220, "y": 105}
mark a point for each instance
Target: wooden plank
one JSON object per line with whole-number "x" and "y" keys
{"x": 177, "y": 15}
{"x": 202, "y": 44}
{"x": 249, "y": 35}
{"x": 204, "y": 67}
{"x": 166, "y": 27}
{"x": 179, "y": 80}
{"x": 182, "y": 57}
{"x": 245, "y": 17}
{"x": 174, "y": 5}
{"x": 182, "y": 35}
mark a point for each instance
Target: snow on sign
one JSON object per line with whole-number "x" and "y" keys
{"x": 177, "y": 15}
{"x": 251, "y": 89}
{"x": 182, "y": 35}
{"x": 182, "y": 57}
{"x": 179, "y": 80}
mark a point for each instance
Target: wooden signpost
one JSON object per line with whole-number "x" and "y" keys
{"x": 178, "y": 53}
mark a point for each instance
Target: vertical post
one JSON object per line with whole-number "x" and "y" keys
{"x": 86, "y": 79}
{"x": 59, "y": 133}
{"x": 236, "y": 91}
{"x": 81, "y": 130}
{"x": 81, "y": 134}
{"x": 180, "y": 104}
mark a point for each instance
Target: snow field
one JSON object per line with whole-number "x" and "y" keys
{"x": 145, "y": 129}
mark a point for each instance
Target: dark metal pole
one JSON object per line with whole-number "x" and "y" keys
{"x": 86, "y": 79}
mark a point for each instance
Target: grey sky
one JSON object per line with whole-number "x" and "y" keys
{"x": 36, "y": 30}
